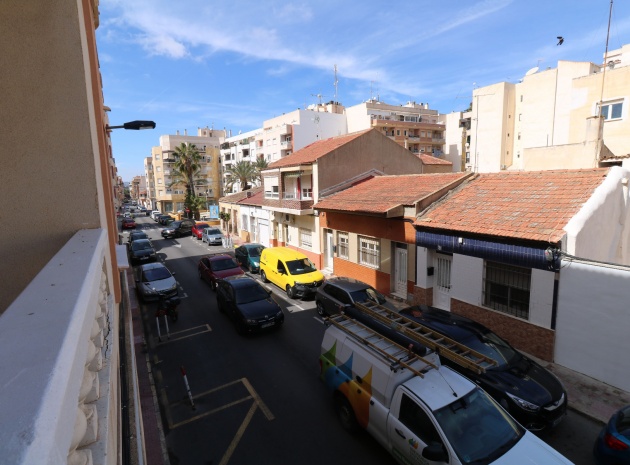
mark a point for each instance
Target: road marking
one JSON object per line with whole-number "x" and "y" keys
{"x": 291, "y": 308}
{"x": 206, "y": 329}
{"x": 239, "y": 435}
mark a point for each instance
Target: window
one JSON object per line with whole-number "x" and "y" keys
{"x": 369, "y": 251}
{"x": 244, "y": 225}
{"x": 342, "y": 245}
{"x": 413, "y": 417}
{"x": 271, "y": 188}
{"x": 467, "y": 157}
{"x": 157, "y": 157}
{"x": 506, "y": 288}
{"x": 306, "y": 239}
{"x": 612, "y": 110}
{"x": 159, "y": 180}
{"x": 398, "y": 132}
{"x": 158, "y": 168}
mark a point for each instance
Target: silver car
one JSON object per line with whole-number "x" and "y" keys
{"x": 154, "y": 280}
{"x": 213, "y": 236}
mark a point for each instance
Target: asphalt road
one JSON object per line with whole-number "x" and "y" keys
{"x": 258, "y": 399}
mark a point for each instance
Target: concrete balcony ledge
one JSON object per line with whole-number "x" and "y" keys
{"x": 59, "y": 360}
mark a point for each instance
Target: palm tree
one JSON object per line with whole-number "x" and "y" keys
{"x": 187, "y": 165}
{"x": 260, "y": 165}
{"x": 242, "y": 172}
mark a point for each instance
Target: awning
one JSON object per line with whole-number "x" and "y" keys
{"x": 529, "y": 257}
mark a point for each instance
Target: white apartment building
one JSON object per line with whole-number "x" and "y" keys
{"x": 170, "y": 197}
{"x": 572, "y": 116}
{"x": 150, "y": 183}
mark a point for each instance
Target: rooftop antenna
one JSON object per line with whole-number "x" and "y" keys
{"x": 336, "y": 83}
{"x": 319, "y": 97}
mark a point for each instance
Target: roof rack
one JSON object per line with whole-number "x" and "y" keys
{"x": 442, "y": 345}
{"x": 398, "y": 355}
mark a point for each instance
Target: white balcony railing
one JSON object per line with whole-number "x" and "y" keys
{"x": 58, "y": 340}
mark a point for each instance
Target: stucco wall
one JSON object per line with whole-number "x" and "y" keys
{"x": 593, "y": 321}
{"x": 47, "y": 137}
{"x": 601, "y": 229}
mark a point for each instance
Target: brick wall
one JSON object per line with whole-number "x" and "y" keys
{"x": 377, "y": 279}
{"x": 521, "y": 334}
{"x": 422, "y": 296}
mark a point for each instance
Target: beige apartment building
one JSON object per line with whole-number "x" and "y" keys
{"x": 170, "y": 197}
{"x": 572, "y": 116}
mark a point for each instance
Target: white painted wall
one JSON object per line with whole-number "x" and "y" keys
{"x": 422, "y": 262}
{"x": 593, "y": 320}
{"x": 467, "y": 279}
{"x": 601, "y": 229}
{"x": 541, "y": 298}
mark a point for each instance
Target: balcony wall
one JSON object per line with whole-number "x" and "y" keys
{"x": 59, "y": 374}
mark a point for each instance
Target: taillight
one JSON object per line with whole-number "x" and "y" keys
{"x": 614, "y": 443}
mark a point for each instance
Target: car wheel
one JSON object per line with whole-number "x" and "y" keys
{"x": 263, "y": 276}
{"x": 345, "y": 413}
{"x": 320, "y": 309}
{"x": 290, "y": 292}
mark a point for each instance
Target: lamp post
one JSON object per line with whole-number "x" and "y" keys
{"x": 135, "y": 125}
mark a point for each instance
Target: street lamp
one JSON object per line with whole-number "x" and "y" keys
{"x": 134, "y": 125}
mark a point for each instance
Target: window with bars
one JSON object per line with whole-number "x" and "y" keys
{"x": 342, "y": 245}
{"x": 306, "y": 238}
{"x": 506, "y": 288}
{"x": 369, "y": 251}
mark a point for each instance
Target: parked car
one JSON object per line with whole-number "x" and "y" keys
{"x": 215, "y": 267}
{"x": 178, "y": 228}
{"x": 197, "y": 229}
{"x": 154, "y": 214}
{"x": 248, "y": 255}
{"x": 529, "y": 392}
{"x": 248, "y": 304}
{"x": 291, "y": 271}
{"x": 128, "y": 223}
{"x": 338, "y": 293}
{"x": 613, "y": 443}
{"x": 154, "y": 280}
{"x": 212, "y": 235}
{"x": 141, "y": 251}
{"x": 134, "y": 235}
{"x": 165, "y": 219}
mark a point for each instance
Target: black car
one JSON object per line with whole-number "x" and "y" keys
{"x": 248, "y": 304}
{"x": 337, "y": 294}
{"x": 178, "y": 228}
{"x": 141, "y": 251}
{"x": 134, "y": 235}
{"x": 532, "y": 394}
{"x": 165, "y": 219}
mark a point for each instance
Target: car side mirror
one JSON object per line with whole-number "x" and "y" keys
{"x": 173, "y": 273}
{"x": 435, "y": 452}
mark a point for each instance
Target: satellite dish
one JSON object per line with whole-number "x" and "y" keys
{"x": 534, "y": 70}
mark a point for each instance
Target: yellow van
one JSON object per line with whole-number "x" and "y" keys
{"x": 290, "y": 270}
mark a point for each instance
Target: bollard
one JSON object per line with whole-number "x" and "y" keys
{"x": 192, "y": 402}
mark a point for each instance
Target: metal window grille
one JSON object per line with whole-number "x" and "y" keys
{"x": 306, "y": 239}
{"x": 369, "y": 252}
{"x": 507, "y": 289}
{"x": 342, "y": 245}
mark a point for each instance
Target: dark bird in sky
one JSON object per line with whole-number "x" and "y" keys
{"x": 560, "y": 40}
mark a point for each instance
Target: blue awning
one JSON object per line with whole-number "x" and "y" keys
{"x": 529, "y": 257}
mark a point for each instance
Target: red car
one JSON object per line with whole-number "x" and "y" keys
{"x": 128, "y": 223}
{"x": 214, "y": 267}
{"x": 197, "y": 229}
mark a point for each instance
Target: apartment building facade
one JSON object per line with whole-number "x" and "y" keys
{"x": 170, "y": 196}
{"x": 571, "y": 116}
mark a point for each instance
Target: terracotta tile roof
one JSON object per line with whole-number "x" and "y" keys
{"x": 238, "y": 196}
{"x": 256, "y": 199}
{"x": 312, "y": 152}
{"x": 382, "y": 193}
{"x": 530, "y": 205}
{"x": 431, "y": 160}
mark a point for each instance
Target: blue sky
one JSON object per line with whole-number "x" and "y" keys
{"x": 232, "y": 64}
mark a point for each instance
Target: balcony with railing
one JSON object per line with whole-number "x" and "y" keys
{"x": 58, "y": 340}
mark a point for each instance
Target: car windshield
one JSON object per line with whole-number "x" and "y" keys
{"x": 224, "y": 264}
{"x": 212, "y": 231}
{"x": 255, "y": 251}
{"x": 199, "y": 226}
{"x": 175, "y": 224}
{"x": 301, "y": 266}
{"x": 136, "y": 236}
{"x": 478, "y": 429}
{"x": 141, "y": 245}
{"x": 253, "y": 293}
{"x": 156, "y": 274}
{"x": 367, "y": 294}
{"x": 491, "y": 345}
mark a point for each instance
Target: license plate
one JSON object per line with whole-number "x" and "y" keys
{"x": 266, "y": 325}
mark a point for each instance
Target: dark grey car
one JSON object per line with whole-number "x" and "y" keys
{"x": 178, "y": 228}
{"x": 338, "y": 293}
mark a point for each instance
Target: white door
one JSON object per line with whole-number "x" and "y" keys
{"x": 328, "y": 249}
{"x": 400, "y": 270}
{"x": 263, "y": 232}
{"x": 442, "y": 281}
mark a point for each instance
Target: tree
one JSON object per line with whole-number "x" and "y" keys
{"x": 187, "y": 165}
{"x": 242, "y": 172}
{"x": 260, "y": 165}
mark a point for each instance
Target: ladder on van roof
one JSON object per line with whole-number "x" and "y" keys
{"x": 399, "y": 356}
{"x": 442, "y": 345}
